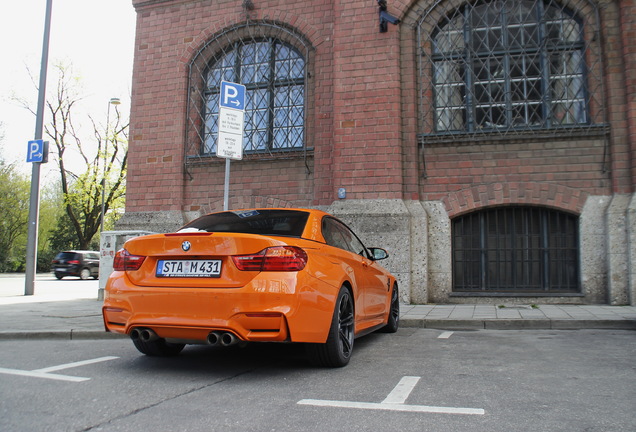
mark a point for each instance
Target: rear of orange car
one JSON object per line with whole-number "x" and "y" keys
{"x": 221, "y": 288}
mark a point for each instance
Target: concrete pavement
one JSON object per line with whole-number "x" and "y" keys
{"x": 69, "y": 309}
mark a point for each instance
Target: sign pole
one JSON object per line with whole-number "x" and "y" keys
{"x": 34, "y": 202}
{"x": 226, "y": 190}
{"x": 231, "y": 125}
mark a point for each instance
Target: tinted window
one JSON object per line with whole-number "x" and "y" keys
{"x": 339, "y": 235}
{"x": 66, "y": 256}
{"x": 266, "y": 222}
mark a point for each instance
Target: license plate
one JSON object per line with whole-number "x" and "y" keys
{"x": 189, "y": 268}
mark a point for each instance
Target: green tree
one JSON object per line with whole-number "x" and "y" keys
{"x": 14, "y": 215}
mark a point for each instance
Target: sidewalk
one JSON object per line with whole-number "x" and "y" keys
{"x": 47, "y": 317}
{"x": 502, "y": 317}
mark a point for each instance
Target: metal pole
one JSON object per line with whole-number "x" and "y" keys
{"x": 34, "y": 202}
{"x": 101, "y": 225}
{"x": 226, "y": 189}
{"x": 112, "y": 101}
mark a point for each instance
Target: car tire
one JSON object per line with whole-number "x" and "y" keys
{"x": 84, "y": 274}
{"x": 336, "y": 352}
{"x": 394, "y": 312}
{"x": 58, "y": 276}
{"x": 158, "y": 347}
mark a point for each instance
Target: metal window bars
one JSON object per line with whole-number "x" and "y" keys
{"x": 271, "y": 61}
{"x": 501, "y": 68}
{"x": 529, "y": 250}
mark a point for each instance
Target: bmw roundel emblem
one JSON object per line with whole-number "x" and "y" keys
{"x": 186, "y": 246}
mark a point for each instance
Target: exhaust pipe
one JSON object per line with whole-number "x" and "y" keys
{"x": 214, "y": 338}
{"x": 148, "y": 335}
{"x": 229, "y": 339}
{"x": 134, "y": 334}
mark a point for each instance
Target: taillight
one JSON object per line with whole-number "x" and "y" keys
{"x": 124, "y": 261}
{"x": 74, "y": 262}
{"x": 279, "y": 258}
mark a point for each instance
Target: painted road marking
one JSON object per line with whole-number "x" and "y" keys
{"x": 445, "y": 335}
{"x": 394, "y": 402}
{"x": 401, "y": 391}
{"x": 46, "y": 372}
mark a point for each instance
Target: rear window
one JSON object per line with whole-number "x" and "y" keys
{"x": 66, "y": 256}
{"x": 289, "y": 223}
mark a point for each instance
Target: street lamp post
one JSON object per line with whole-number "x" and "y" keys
{"x": 112, "y": 101}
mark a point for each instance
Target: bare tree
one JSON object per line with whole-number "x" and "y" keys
{"x": 86, "y": 165}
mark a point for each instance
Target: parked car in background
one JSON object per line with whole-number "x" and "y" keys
{"x": 258, "y": 275}
{"x": 83, "y": 264}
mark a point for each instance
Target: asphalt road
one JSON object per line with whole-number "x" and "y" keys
{"x": 415, "y": 380}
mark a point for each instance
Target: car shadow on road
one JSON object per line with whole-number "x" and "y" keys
{"x": 286, "y": 357}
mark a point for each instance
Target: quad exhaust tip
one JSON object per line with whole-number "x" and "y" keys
{"x": 214, "y": 338}
{"x": 222, "y": 338}
{"x": 144, "y": 334}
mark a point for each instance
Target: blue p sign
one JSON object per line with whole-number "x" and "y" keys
{"x": 232, "y": 95}
{"x": 35, "y": 152}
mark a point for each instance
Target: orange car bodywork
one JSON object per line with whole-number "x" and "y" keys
{"x": 292, "y": 306}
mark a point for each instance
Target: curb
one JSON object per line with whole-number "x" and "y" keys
{"x": 518, "y": 324}
{"x": 438, "y": 324}
{"x": 60, "y": 335}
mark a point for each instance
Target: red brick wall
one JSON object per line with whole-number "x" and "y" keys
{"x": 362, "y": 121}
{"x": 353, "y": 123}
{"x": 628, "y": 31}
{"x": 553, "y": 173}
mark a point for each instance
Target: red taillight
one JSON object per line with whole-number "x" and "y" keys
{"x": 279, "y": 258}
{"x": 124, "y": 261}
{"x": 76, "y": 262}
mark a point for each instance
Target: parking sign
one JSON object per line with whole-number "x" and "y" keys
{"x": 37, "y": 151}
{"x": 232, "y": 95}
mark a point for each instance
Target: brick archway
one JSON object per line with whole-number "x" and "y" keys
{"x": 496, "y": 194}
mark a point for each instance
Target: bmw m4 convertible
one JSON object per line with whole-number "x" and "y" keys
{"x": 258, "y": 275}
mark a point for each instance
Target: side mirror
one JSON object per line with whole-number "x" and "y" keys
{"x": 378, "y": 254}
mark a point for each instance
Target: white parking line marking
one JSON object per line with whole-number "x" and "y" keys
{"x": 34, "y": 374}
{"x": 402, "y": 391}
{"x": 75, "y": 364}
{"x": 445, "y": 335}
{"x": 391, "y": 407}
{"x": 394, "y": 402}
{"x": 46, "y": 372}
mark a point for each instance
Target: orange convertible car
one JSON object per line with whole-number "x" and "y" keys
{"x": 260, "y": 275}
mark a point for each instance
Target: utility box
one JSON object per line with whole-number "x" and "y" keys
{"x": 110, "y": 243}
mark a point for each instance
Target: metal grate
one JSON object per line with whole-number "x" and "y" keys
{"x": 271, "y": 61}
{"x": 516, "y": 250}
{"x": 506, "y": 67}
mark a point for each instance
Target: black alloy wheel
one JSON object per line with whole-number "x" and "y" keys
{"x": 394, "y": 312}
{"x": 337, "y": 351}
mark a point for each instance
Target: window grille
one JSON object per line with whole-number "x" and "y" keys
{"x": 506, "y": 67}
{"x": 271, "y": 61}
{"x": 527, "y": 250}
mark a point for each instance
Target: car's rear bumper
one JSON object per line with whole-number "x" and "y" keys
{"x": 282, "y": 306}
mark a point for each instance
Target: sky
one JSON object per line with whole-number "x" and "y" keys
{"x": 95, "y": 37}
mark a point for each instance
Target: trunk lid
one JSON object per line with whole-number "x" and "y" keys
{"x": 197, "y": 260}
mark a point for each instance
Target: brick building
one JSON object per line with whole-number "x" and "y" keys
{"x": 490, "y": 146}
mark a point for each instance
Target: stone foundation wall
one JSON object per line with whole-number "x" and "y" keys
{"x": 417, "y": 236}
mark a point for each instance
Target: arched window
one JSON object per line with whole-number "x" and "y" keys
{"x": 516, "y": 250}
{"x": 509, "y": 66}
{"x": 274, "y": 75}
{"x": 271, "y": 62}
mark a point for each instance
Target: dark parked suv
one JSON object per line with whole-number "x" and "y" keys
{"x": 84, "y": 264}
